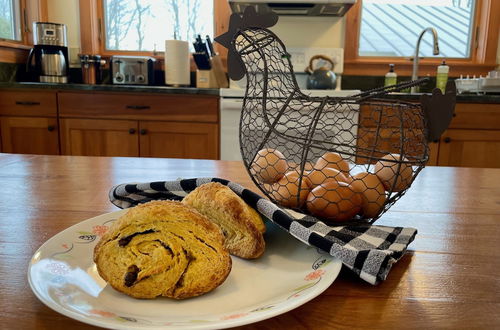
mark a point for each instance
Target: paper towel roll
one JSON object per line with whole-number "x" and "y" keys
{"x": 177, "y": 63}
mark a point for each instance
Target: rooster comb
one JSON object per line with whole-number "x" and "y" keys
{"x": 250, "y": 19}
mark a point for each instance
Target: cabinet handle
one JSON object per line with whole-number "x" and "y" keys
{"x": 27, "y": 103}
{"x": 50, "y": 128}
{"x": 447, "y": 140}
{"x": 138, "y": 107}
{"x": 143, "y": 131}
{"x": 131, "y": 131}
{"x": 435, "y": 141}
{"x": 454, "y": 114}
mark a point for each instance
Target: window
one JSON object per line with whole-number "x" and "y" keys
{"x": 391, "y": 28}
{"x": 10, "y": 20}
{"x": 379, "y": 32}
{"x": 16, "y": 17}
{"x": 144, "y": 25}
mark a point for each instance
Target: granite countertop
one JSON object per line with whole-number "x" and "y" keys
{"x": 461, "y": 98}
{"x": 113, "y": 88}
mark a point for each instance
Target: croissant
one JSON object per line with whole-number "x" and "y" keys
{"x": 242, "y": 225}
{"x": 163, "y": 248}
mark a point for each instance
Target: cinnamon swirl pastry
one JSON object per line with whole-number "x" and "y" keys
{"x": 163, "y": 248}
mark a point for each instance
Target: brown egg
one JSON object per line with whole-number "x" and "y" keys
{"x": 286, "y": 190}
{"x": 387, "y": 171}
{"x": 317, "y": 177}
{"x": 335, "y": 201}
{"x": 269, "y": 165}
{"x": 332, "y": 160}
{"x": 373, "y": 193}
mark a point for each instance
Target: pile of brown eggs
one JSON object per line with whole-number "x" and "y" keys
{"x": 327, "y": 189}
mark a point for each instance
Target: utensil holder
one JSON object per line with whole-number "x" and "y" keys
{"x": 206, "y": 79}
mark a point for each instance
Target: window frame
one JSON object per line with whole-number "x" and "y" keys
{"x": 483, "y": 53}
{"x": 16, "y": 51}
{"x": 92, "y": 30}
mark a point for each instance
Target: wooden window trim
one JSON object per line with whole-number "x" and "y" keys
{"x": 12, "y": 51}
{"x": 92, "y": 30}
{"x": 483, "y": 59}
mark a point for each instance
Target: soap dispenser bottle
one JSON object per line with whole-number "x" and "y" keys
{"x": 390, "y": 77}
{"x": 442, "y": 76}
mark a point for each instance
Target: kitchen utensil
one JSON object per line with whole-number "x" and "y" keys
{"x": 210, "y": 46}
{"x": 91, "y": 68}
{"x": 202, "y": 61}
{"x": 322, "y": 77}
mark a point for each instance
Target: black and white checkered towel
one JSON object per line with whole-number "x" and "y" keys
{"x": 368, "y": 250}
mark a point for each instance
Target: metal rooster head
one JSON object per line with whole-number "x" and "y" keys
{"x": 237, "y": 23}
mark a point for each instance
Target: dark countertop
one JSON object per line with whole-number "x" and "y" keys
{"x": 461, "y": 98}
{"x": 113, "y": 88}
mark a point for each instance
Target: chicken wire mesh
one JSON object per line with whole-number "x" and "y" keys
{"x": 337, "y": 158}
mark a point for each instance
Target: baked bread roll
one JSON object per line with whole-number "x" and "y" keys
{"x": 163, "y": 248}
{"x": 242, "y": 225}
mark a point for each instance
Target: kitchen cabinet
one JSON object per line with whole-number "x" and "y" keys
{"x": 473, "y": 137}
{"x": 128, "y": 138}
{"x": 470, "y": 148}
{"x": 28, "y": 122}
{"x": 113, "y": 124}
{"x": 178, "y": 140}
{"x": 471, "y": 140}
{"x": 97, "y": 137}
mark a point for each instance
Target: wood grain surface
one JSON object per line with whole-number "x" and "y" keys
{"x": 448, "y": 279}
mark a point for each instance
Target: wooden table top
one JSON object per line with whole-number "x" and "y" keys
{"x": 448, "y": 279}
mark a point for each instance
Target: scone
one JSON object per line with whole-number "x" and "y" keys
{"x": 241, "y": 224}
{"x": 163, "y": 248}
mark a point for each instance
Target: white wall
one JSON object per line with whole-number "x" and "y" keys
{"x": 67, "y": 12}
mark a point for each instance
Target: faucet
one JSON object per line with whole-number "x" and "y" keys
{"x": 414, "y": 75}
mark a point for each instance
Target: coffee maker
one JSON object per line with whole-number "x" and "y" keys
{"x": 48, "y": 60}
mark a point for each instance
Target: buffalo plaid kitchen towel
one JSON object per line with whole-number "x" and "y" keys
{"x": 368, "y": 250}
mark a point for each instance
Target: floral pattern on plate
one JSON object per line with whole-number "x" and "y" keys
{"x": 64, "y": 277}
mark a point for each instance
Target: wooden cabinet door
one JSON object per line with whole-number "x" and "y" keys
{"x": 95, "y": 137}
{"x": 30, "y": 135}
{"x": 179, "y": 140}
{"x": 470, "y": 148}
{"x": 433, "y": 153}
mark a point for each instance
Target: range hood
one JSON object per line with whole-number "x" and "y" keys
{"x": 295, "y": 7}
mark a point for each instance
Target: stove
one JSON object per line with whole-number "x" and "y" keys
{"x": 230, "y": 109}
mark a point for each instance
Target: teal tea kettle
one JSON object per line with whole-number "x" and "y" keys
{"x": 322, "y": 77}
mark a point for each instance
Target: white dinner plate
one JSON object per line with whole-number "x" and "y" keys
{"x": 64, "y": 277}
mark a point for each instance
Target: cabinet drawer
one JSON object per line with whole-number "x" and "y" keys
{"x": 476, "y": 116}
{"x": 28, "y": 103}
{"x": 192, "y": 108}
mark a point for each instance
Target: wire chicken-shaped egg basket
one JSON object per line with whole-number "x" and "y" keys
{"x": 337, "y": 158}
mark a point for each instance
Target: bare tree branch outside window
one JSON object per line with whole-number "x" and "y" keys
{"x": 144, "y": 24}
{"x": 119, "y": 18}
{"x": 141, "y": 10}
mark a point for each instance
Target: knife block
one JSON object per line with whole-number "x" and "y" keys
{"x": 206, "y": 79}
{"x": 213, "y": 78}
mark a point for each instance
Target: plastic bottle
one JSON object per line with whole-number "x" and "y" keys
{"x": 390, "y": 77}
{"x": 442, "y": 76}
